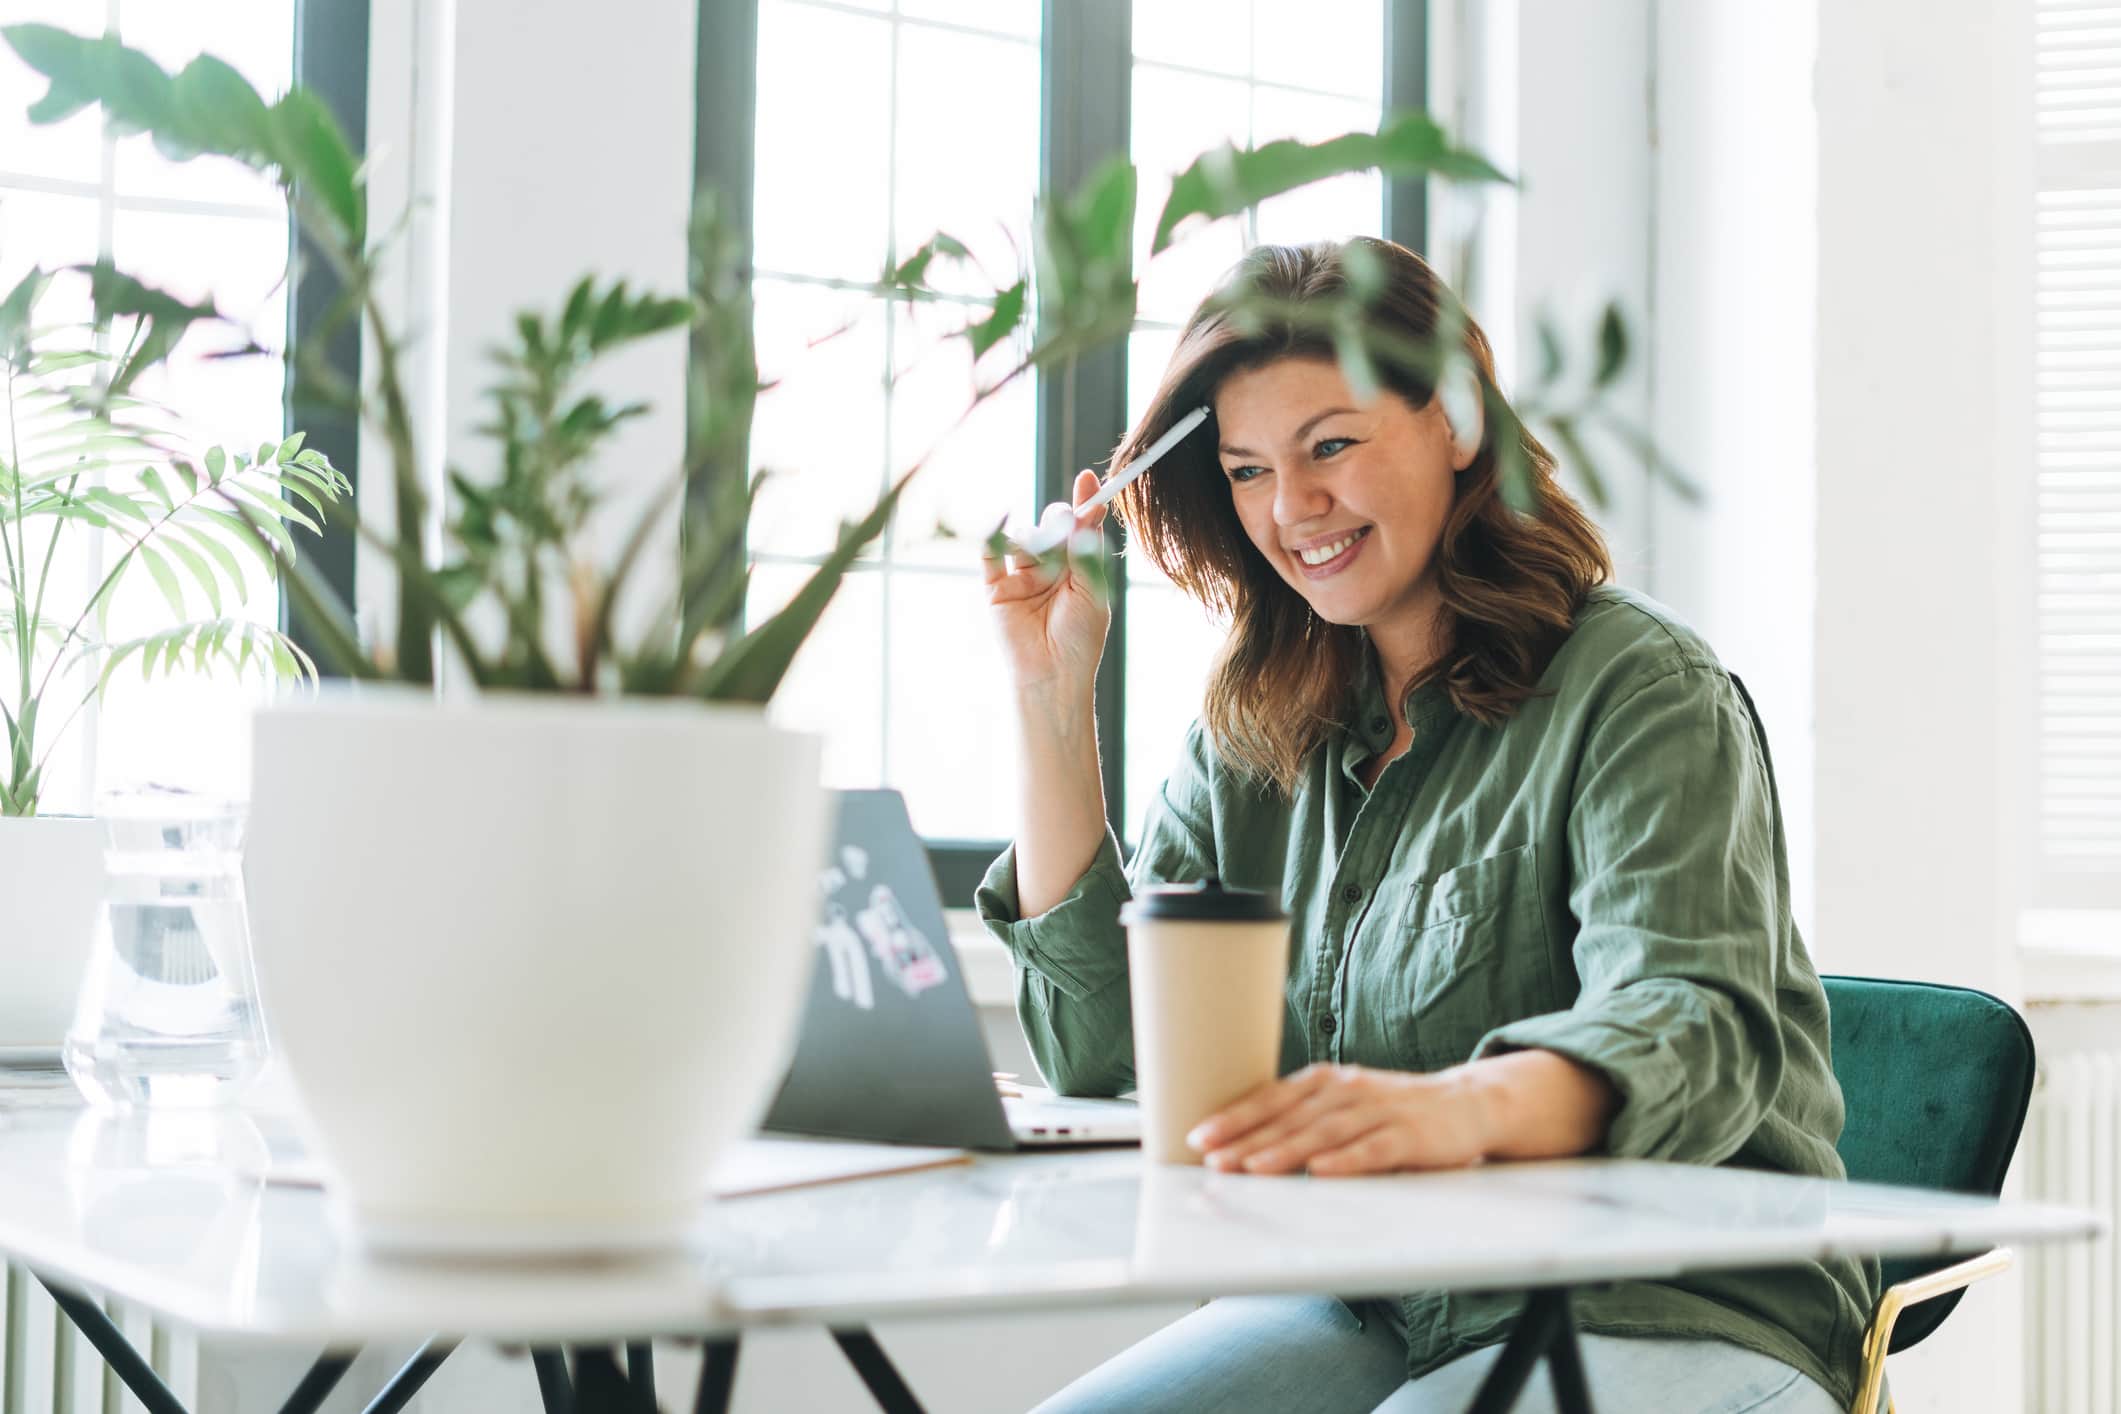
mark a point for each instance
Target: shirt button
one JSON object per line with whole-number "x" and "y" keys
{"x": 1351, "y": 893}
{"x": 1327, "y": 1025}
{"x": 1378, "y": 724}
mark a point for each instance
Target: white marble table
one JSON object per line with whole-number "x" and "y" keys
{"x": 170, "y": 1213}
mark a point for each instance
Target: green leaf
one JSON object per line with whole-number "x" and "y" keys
{"x": 576, "y": 312}
{"x": 317, "y": 602}
{"x": 165, "y": 578}
{"x": 164, "y": 318}
{"x": 1579, "y": 457}
{"x": 1226, "y": 180}
{"x": 249, "y": 525}
{"x": 294, "y": 486}
{"x": 118, "y": 503}
{"x": 16, "y": 309}
{"x": 202, "y": 572}
{"x": 751, "y": 670}
{"x": 1006, "y": 316}
{"x": 1612, "y": 346}
{"x": 215, "y": 547}
{"x": 152, "y": 480}
{"x": 271, "y": 503}
{"x": 319, "y": 163}
{"x": 912, "y": 273}
{"x": 216, "y": 463}
{"x": 218, "y": 111}
{"x": 1550, "y": 354}
{"x": 117, "y": 655}
{"x": 290, "y": 449}
{"x": 44, "y": 365}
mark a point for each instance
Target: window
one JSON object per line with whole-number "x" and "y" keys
{"x": 2077, "y": 423}
{"x": 70, "y": 194}
{"x": 943, "y": 114}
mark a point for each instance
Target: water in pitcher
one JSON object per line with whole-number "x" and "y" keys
{"x": 169, "y": 1009}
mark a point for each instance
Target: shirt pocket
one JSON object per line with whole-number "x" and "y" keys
{"x": 1472, "y": 955}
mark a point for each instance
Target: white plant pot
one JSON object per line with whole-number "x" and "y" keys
{"x": 531, "y": 963}
{"x": 51, "y": 876}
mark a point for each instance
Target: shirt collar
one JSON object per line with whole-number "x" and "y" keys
{"x": 1370, "y": 729}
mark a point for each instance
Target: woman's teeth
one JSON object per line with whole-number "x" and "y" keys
{"x": 1326, "y": 552}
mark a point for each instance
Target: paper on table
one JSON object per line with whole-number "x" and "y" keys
{"x": 758, "y": 1165}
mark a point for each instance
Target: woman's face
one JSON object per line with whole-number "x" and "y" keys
{"x": 1346, "y": 499}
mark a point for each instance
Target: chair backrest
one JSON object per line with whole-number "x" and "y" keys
{"x": 1936, "y": 1081}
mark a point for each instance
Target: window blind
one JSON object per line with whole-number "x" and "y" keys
{"x": 2077, "y": 423}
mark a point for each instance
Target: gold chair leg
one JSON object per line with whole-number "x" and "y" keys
{"x": 1878, "y": 1338}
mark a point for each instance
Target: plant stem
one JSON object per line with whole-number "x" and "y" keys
{"x": 23, "y": 738}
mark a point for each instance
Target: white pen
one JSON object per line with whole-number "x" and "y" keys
{"x": 1058, "y": 523}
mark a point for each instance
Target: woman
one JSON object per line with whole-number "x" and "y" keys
{"x": 1526, "y": 829}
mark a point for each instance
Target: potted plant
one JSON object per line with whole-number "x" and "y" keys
{"x": 85, "y": 456}
{"x": 532, "y": 947}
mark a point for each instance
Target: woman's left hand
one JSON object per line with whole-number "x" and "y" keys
{"x": 1346, "y": 1119}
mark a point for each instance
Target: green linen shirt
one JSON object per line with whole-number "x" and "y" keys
{"x": 1602, "y": 876}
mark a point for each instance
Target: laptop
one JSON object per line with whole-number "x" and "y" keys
{"x": 890, "y": 1047}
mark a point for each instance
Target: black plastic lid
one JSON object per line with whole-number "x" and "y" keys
{"x": 1206, "y": 901}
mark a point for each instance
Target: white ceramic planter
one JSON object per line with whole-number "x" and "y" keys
{"x": 51, "y": 873}
{"x": 531, "y": 963}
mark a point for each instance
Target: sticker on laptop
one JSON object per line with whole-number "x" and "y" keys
{"x": 877, "y": 928}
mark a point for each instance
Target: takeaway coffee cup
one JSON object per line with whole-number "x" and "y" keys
{"x": 1207, "y": 966}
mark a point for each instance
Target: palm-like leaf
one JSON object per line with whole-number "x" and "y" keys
{"x": 82, "y": 454}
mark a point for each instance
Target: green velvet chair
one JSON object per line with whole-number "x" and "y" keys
{"x": 1936, "y": 1080}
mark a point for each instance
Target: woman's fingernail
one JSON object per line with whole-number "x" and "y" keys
{"x": 1197, "y": 1138}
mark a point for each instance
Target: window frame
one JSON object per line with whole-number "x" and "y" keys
{"x": 331, "y": 61}
{"x": 1086, "y": 71}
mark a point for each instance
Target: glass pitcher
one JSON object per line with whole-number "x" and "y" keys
{"x": 168, "y": 1014}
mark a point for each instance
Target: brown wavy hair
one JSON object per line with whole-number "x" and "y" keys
{"x": 1511, "y": 580}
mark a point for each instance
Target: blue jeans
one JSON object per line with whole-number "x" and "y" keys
{"x": 1317, "y": 1353}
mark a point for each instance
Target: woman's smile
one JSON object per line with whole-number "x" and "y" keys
{"x": 1322, "y": 558}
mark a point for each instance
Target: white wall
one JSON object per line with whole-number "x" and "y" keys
{"x": 1735, "y": 248}
{"x": 1836, "y": 187}
{"x": 525, "y": 149}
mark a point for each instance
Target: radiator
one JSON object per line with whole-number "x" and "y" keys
{"x": 47, "y": 1367}
{"x": 2071, "y": 1152}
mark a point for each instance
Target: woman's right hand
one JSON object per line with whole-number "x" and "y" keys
{"x": 1052, "y": 621}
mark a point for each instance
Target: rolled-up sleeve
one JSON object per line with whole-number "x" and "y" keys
{"x": 1676, "y": 859}
{"x": 1072, "y": 993}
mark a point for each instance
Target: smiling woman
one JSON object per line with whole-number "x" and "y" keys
{"x": 1524, "y": 826}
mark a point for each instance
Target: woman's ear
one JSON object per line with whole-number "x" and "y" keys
{"x": 1458, "y": 395}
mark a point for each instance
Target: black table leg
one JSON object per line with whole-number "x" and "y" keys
{"x": 415, "y": 1372}
{"x": 877, "y": 1371}
{"x": 717, "y": 1376}
{"x": 555, "y": 1387}
{"x": 125, "y": 1362}
{"x": 640, "y": 1374}
{"x": 600, "y": 1386}
{"x": 317, "y": 1385}
{"x": 1547, "y": 1328}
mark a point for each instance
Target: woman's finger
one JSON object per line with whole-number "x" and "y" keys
{"x": 1257, "y": 1108}
{"x": 1380, "y": 1150}
{"x": 1329, "y": 1133}
{"x": 1086, "y": 484}
{"x": 1280, "y": 1132}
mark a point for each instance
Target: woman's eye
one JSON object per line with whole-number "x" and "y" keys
{"x": 1330, "y": 447}
{"x": 1244, "y": 473}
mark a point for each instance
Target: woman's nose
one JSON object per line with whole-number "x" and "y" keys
{"x": 1298, "y": 498}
